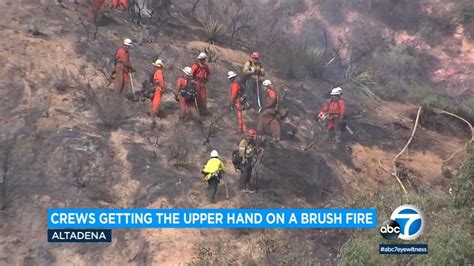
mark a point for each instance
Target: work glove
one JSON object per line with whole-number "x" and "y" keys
{"x": 321, "y": 116}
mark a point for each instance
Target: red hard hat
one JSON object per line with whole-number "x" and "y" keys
{"x": 255, "y": 55}
{"x": 251, "y": 133}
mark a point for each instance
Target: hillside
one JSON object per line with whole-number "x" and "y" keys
{"x": 68, "y": 141}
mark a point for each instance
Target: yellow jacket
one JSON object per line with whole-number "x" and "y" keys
{"x": 256, "y": 66}
{"x": 247, "y": 150}
{"x": 212, "y": 166}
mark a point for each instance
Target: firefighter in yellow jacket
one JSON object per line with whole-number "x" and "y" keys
{"x": 252, "y": 72}
{"x": 213, "y": 172}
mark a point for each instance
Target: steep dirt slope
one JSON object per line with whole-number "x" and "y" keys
{"x": 57, "y": 152}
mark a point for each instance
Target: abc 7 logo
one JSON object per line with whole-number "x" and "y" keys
{"x": 406, "y": 223}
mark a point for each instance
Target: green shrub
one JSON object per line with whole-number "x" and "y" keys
{"x": 396, "y": 60}
{"x": 463, "y": 183}
{"x": 213, "y": 30}
{"x": 313, "y": 61}
{"x": 363, "y": 82}
{"x": 448, "y": 217}
{"x": 429, "y": 98}
{"x": 299, "y": 58}
{"x": 466, "y": 17}
{"x": 449, "y": 244}
{"x": 469, "y": 105}
{"x": 466, "y": 14}
{"x": 429, "y": 32}
{"x": 394, "y": 67}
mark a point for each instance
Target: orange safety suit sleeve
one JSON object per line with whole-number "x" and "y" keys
{"x": 180, "y": 84}
{"x": 158, "y": 79}
{"x": 271, "y": 98}
{"x": 234, "y": 91}
{"x": 195, "y": 68}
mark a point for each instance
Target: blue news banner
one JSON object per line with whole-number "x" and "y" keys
{"x": 95, "y": 224}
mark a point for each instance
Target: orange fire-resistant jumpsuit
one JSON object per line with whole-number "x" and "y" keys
{"x": 234, "y": 100}
{"x": 183, "y": 104}
{"x": 336, "y": 109}
{"x": 123, "y": 4}
{"x": 97, "y": 4}
{"x": 159, "y": 83}
{"x": 267, "y": 120}
{"x": 201, "y": 74}
{"x": 122, "y": 68}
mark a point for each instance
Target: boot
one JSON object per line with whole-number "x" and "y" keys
{"x": 331, "y": 136}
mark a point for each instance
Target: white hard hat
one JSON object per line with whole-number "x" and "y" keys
{"x": 231, "y": 74}
{"x": 202, "y": 56}
{"x": 336, "y": 91}
{"x": 267, "y": 82}
{"x": 158, "y": 63}
{"x": 188, "y": 71}
{"x": 214, "y": 153}
{"x": 127, "y": 42}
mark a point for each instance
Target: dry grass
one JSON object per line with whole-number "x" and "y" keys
{"x": 62, "y": 79}
{"x": 178, "y": 151}
{"x": 111, "y": 108}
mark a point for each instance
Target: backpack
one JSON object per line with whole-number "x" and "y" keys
{"x": 243, "y": 98}
{"x": 148, "y": 89}
{"x": 189, "y": 91}
{"x": 236, "y": 158}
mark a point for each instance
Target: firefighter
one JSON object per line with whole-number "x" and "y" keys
{"x": 248, "y": 151}
{"x": 159, "y": 87}
{"x": 268, "y": 121}
{"x": 122, "y": 67}
{"x": 252, "y": 72}
{"x": 201, "y": 74}
{"x": 213, "y": 172}
{"x": 332, "y": 114}
{"x": 234, "y": 100}
{"x": 188, "y": 105}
